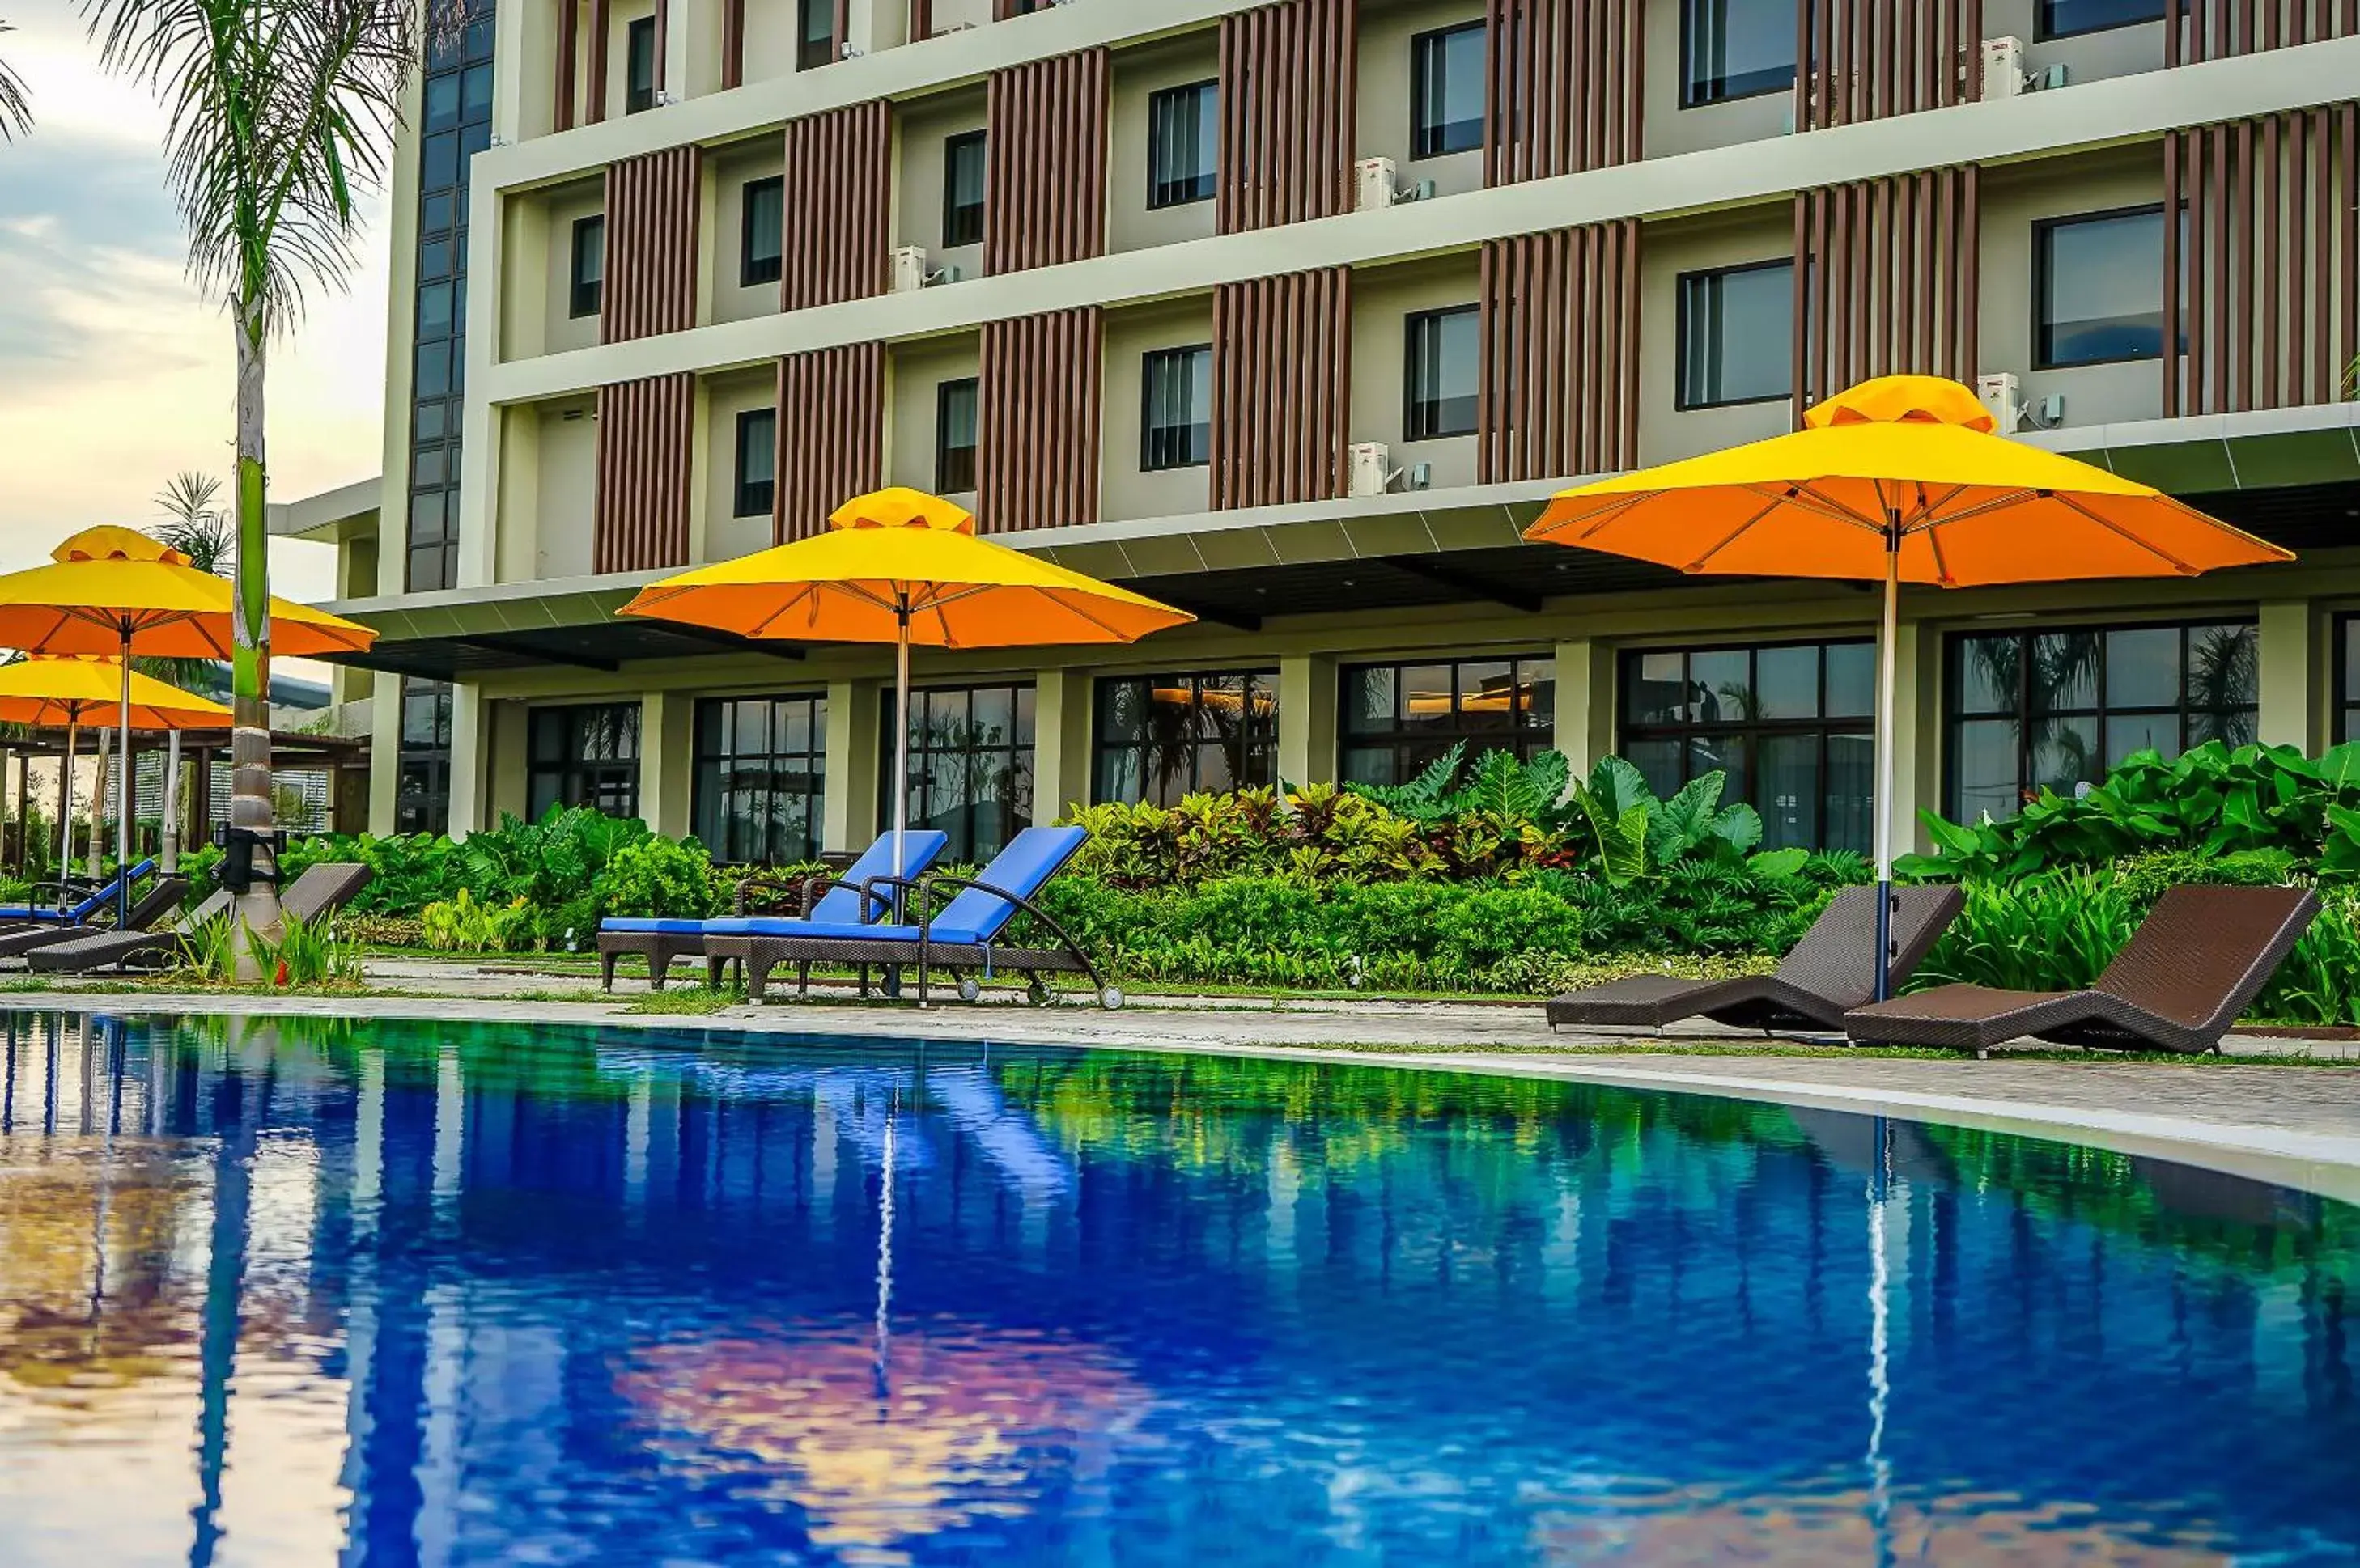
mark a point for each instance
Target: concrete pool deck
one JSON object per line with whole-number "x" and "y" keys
{"x": 2257, "y": 1113}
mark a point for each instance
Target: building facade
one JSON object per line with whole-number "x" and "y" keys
{"x": 1293, "y": 315}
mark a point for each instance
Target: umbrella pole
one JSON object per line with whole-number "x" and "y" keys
{"x": 170, "y": 826}
{"x": 65, "y": 811}
{"x": 901, "y": 734}
{"x": 123, "y": 799}
{"x": 1888, "y": 635}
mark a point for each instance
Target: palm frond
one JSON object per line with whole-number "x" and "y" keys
{"x": 277, "y": 112}
{"x": 195, "y": 524}
{"x": 16, "y": 101}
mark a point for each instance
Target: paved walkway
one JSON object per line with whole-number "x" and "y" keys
{"x": 2268, "y": 1118}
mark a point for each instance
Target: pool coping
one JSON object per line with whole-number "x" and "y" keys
{"x": 2328, "y": 1164}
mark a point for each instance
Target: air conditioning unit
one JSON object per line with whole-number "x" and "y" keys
{"x": 2003, "y": 397}
{"x": 1372, "y": 468}
{"x": 1373, "y": 184}
{"x": 2003, "y": 67}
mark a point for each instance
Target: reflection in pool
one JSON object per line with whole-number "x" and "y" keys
{"x": 294, "y": 1291}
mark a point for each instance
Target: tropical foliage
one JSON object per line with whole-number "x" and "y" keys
{"x": 15, "y": 104}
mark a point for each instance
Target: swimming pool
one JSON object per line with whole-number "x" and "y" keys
{"x": 287, "y": 1292}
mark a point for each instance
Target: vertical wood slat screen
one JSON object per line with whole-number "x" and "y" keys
{"x": 1886, "y": 273}
{"x": 837, "y": 208}
{"x": 1282, "y": 388}
{"x": 1288, "y": 75}
{"x": 831, "y": 435}
{"x": 2271, "y": 256}
{"x": 1037, "y": 445}
{"x": 653, "y": 204}
{"x": 1870, "y": 59}
{"x": 594, "y": 100}
{"x": 641, "y": 513}
{"x": 2215, "y": 29}
{"x": 569, "y": 30}
{"x": 1046, "y": 163}
{"x": 1566, "y": 80}
{"x": 922, "y": 20}
{"x": 733, "y": 44}
{"x": 1560, "y": 377}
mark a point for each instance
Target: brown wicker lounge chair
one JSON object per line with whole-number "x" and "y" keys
{"x": 1830, "y": 972}
{"x": 155, "y": 905}
{"x": 2196, "y": 964}
{"x": 321, "y": 889}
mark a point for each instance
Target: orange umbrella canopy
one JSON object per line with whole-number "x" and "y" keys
{"x": 1912, "y": 452}
{"x": 48, "y": 690}
{"x": 105, "y": 585}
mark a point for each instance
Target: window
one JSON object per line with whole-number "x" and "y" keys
{"x": 1737, "y": 335}
{"x": 815, "y": 42}
{"x": 761, "y": 778}
{"x": 2099, "y": 281}
{"x": 421, "y": 799}
{"x": 762, "y": 231}
{"x": 970, "y": 766}
{"x": 457, "y": 124}
{"x": 1445, "y": 364}
{"x": 1162, "y": 737}
{"x": 2063, "y": 18}
{"x": 1175, "y": 426}
{"x": 2347, "y": 680}
{"x": 758, "y": 458}
{"x": 1735, "y": 48}
{"x": 2027, "y": 711}
{"x": 585, "y": 756}
{"x": 1446, "y": 90}
{"x": 640, "y": 67}
{"x": 955, "y": 411}
{"x": 1398, "y": 718}
{"x": 1793, "y": 726}
{"x": 586, "y": 278}
{"x": 963, "y": 162}
{"x": 1183, "y": 141}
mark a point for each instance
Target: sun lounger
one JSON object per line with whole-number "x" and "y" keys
{"x": 156, "y": 904}
{"x": 61, "y": 913}
{"x": 836, "y": 899}
{"x": 961, "y": 936}
{"x": 317, "y": 893}
{"x": 2197, "y": 962}
{"x": 1830, "y": 972}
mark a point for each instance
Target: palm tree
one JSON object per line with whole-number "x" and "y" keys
{"x": 15, "y": 104}
{"x": 195, "y": 525}
{"x": 278, "y": 111}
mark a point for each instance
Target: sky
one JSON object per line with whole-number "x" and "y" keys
{"x": 116, "y": 373}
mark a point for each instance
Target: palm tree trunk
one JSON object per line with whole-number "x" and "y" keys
{"x": 249, "y": 804}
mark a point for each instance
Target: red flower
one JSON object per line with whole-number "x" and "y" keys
{"x": 281, "y": 980}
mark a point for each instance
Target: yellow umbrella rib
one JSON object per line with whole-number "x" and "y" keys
{"x": 1702, "y": 562}
{"x": 2157, "y": 551}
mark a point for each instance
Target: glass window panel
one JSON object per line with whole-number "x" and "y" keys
{"x": 1176, "y": 423}
{"x": 443, "y": 100}
{"x": 815, "y": 38}
{"x": 1656, "y": 689}
{"x": 426, "y": 468}
{"x": 1720, "y": 687}
{"x": 1786, "y": 682}
{"x": 2063, "y": 672}
{"x": 1487, "y": 697}
{"x": 1736, "y": 335}
{"x": 2101, "y": 284}
{"x": 762, "y": 231}
{"x": 1122, "y": 709}
{"x": 1026, "y": 697}
{"x": 963, "y": 190}
{"x": 1789, "y": 798}
{"x": 1851, "y": 793}
{"x": 1536, "y": 694}
{"x": 435, "y": 212}
{"x": 955, "y": 426}
{"x": 434, "y": 310}
{"x": 1447, "y": 91}
{"x": 1368, "y": 765}
{"x": 1852, "y": 679}
{"x": 1729, "y": 754}
{"x": 1664, "y": 762}
{"x": 1445, "y": 373}
{"x": 1184, "y": 142}
{"x": 2233, "y": 728}
{"x": 2223, "y": 666}
{"x": 2062, "y": 18}
{"x": 475, "y": 94}
{"x": 639, "y": 66}
{"x": 426, "y": 422}
{"x": 1990, "y": 673}
{"x": 438, "y": 160}
{"x": 1428, "y": 698}
{"x": 2143, "y": 667}
{"x": 2065, "y": 754}
{"x": 434, "y": 259}
{"x": 1984, "y": 760}
{"x": 2129, "y": 733}
{"x": 1735, "y": 48}
{"x": 1370, "y": 704}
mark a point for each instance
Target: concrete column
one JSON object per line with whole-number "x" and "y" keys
{"x": 470, "y": 761}
{"x": 524, "y": 39}
{"x": 2290, "y": 677}
{"x": 856, "y": 713}
{"x": 385, "y": 751}
{"x": 667, "y": 761}
{"x": 506, "y": 745}
{"x": 1061, "y": 744}
{"x": 1585, "y": 702}
{"x": 1307, "y": 719}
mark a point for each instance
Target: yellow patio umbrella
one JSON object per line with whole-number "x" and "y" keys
{"x": 903, "y": 567}
{"x": 116, "y": 591}
{"x": 1901, "y": 479}
{"x": 70, "y": 690}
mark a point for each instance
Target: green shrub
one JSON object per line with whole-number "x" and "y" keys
{"x": 2052, "y": 933}
{"x": 462, "y": 925}
{"x": 2320, "y": 981}
{"x": 653, "y": 877}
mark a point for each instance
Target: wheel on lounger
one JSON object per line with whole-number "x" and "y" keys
{"x": 1110, "y": 997}
{"x": 970, "y": 989}
{"x": 1036, "y": 991}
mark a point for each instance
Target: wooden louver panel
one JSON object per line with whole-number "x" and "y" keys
{"x": 838, "y": 207}
{"x": 2215, "y": 29}
{"x": 652, "y": 223}
{"x": 1885, "y": 280}
{"x": 1046, "y": 168}
{"x": 564, "y": 90}
{"x": 1566, "y": 79}
{"x": 733, "y": 44}
{"x": 2271, "y": 317}
{"x": 1037, "y": 444}
{"x": 1560, "y": 328}
{"x": 1287, "y": 104}
{"x": 640, "y": 515}
{"x": 1870, "y": 59}
{"x": 831, "y": 430}
{"x": 1282, "y": 388}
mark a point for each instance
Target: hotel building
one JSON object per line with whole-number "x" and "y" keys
{"x": 1293, "y": 315}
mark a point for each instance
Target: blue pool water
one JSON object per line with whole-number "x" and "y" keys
{"x": 304, "y": 1292}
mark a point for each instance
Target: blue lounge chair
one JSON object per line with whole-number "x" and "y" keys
{"x": 836, "y": 900}
{"x": 961, "y": 936}
{"x": 76, "y": 913}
